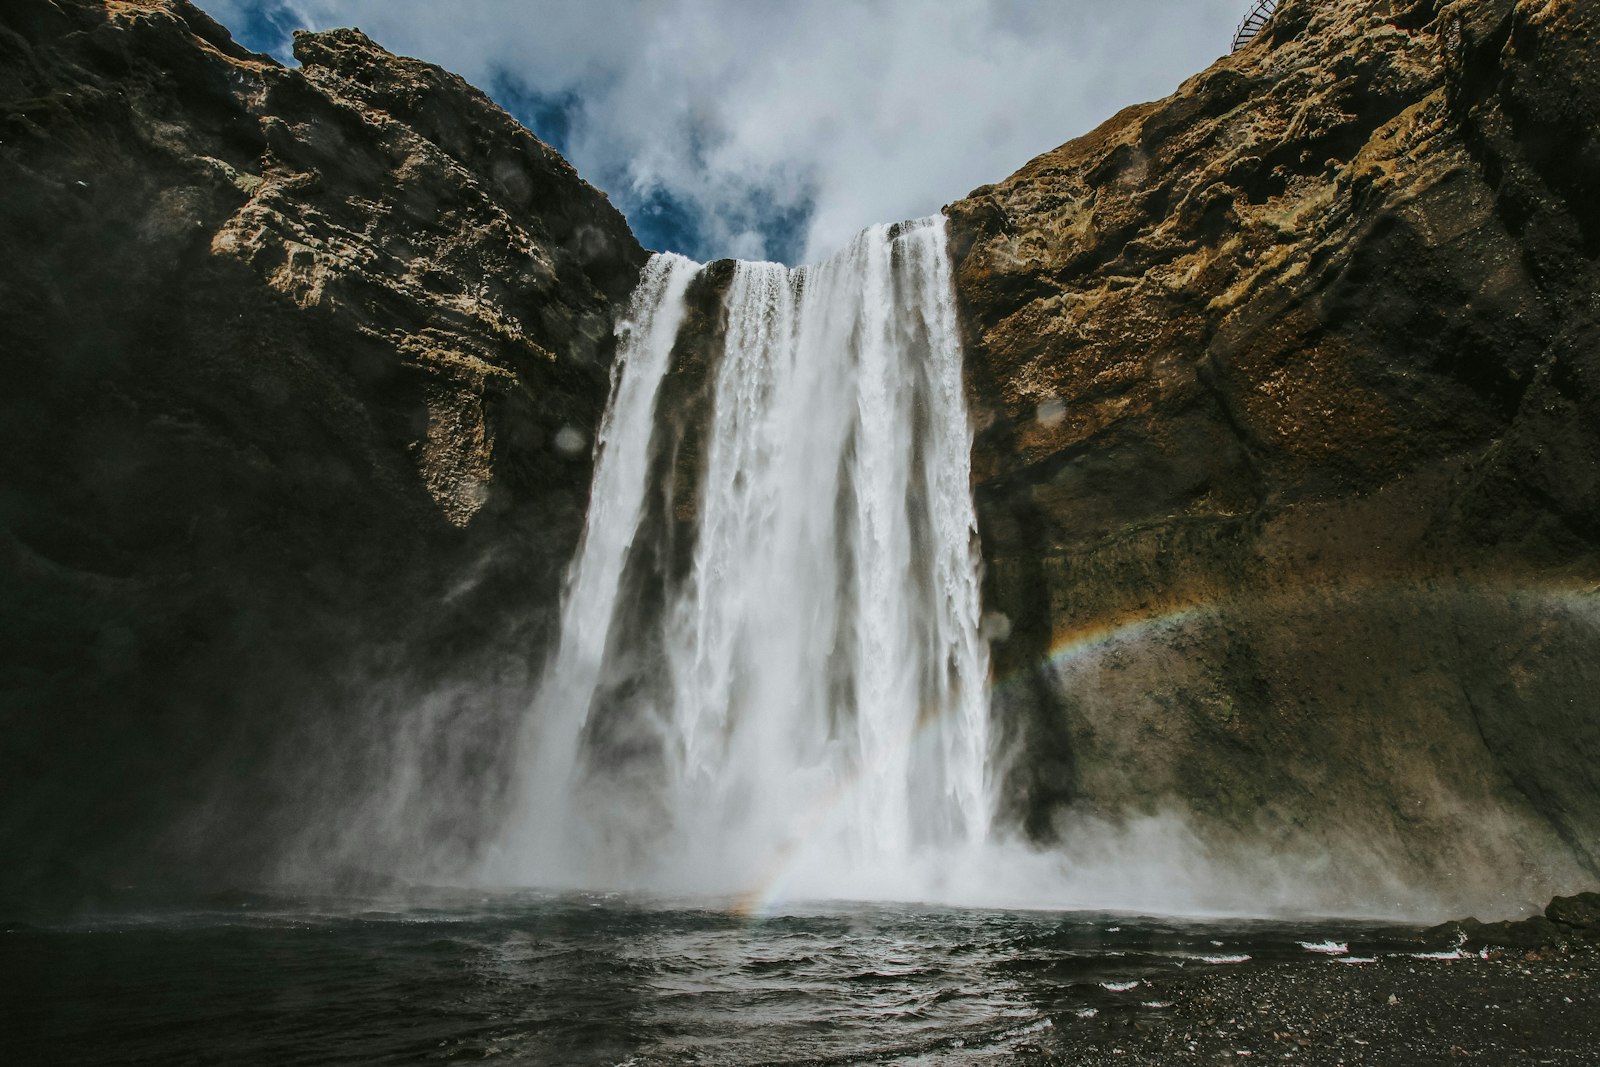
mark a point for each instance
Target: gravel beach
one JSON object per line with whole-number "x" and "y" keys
{"x": 1529, "y": 1007}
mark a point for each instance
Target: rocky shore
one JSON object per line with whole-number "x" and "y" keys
{"x": 1511, "y": 993}
{"x": 1511, "y": 1008}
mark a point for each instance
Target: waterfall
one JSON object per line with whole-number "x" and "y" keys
{"x": 780, "y": 683}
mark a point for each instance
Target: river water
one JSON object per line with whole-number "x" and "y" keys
{"x": 585, "y": 979}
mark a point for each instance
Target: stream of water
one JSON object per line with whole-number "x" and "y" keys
{"x": 798, "y": 705}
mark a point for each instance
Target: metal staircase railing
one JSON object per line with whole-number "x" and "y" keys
{"x": 1254, "y": 23}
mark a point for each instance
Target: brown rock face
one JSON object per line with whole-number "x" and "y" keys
{"x": 301, "y": 370}
{"x": 1289, "y": 468}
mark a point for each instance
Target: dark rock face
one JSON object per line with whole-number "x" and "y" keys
{"x": 301, "y": 370}
{"x": 1566, "y": 921}
{"x": 1289, "y": 464}
{"x": 1580, "y": 913}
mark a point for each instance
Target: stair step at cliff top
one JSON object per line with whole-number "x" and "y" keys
{"x": 1256, "y": 21}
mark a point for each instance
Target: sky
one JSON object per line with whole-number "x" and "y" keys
{"x": 776, "y": 129}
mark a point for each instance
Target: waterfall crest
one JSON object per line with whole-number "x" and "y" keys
{"x": 780, "y": 687}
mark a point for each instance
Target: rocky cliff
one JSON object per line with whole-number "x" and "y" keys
{"x": 1288, "y": 464}
{"x": 301, "y": 372}
{"x": 1289, "y": 459}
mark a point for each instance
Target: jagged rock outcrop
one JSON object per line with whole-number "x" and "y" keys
{"x": 1289, "y": 468}
{"x": 1565, "y": 922}
{"x": 301, "y": 370}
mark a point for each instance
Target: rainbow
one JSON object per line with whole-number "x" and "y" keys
{"x": 1578, "y": 597}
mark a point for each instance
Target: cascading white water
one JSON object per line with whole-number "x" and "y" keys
{"x": 616, "y": 501}
{"x": 801, "y": 698}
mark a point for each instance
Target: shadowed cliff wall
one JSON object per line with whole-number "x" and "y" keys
{"x": 301, "y": 372}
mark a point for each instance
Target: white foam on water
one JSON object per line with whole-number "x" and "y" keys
{"x": 1327, "y": 948}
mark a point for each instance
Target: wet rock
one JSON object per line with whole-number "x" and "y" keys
{"x": 1533, "y": 933}
{"x": 1580, "y": 913}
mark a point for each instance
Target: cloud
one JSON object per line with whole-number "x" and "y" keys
{"x": 756, "y": 129}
